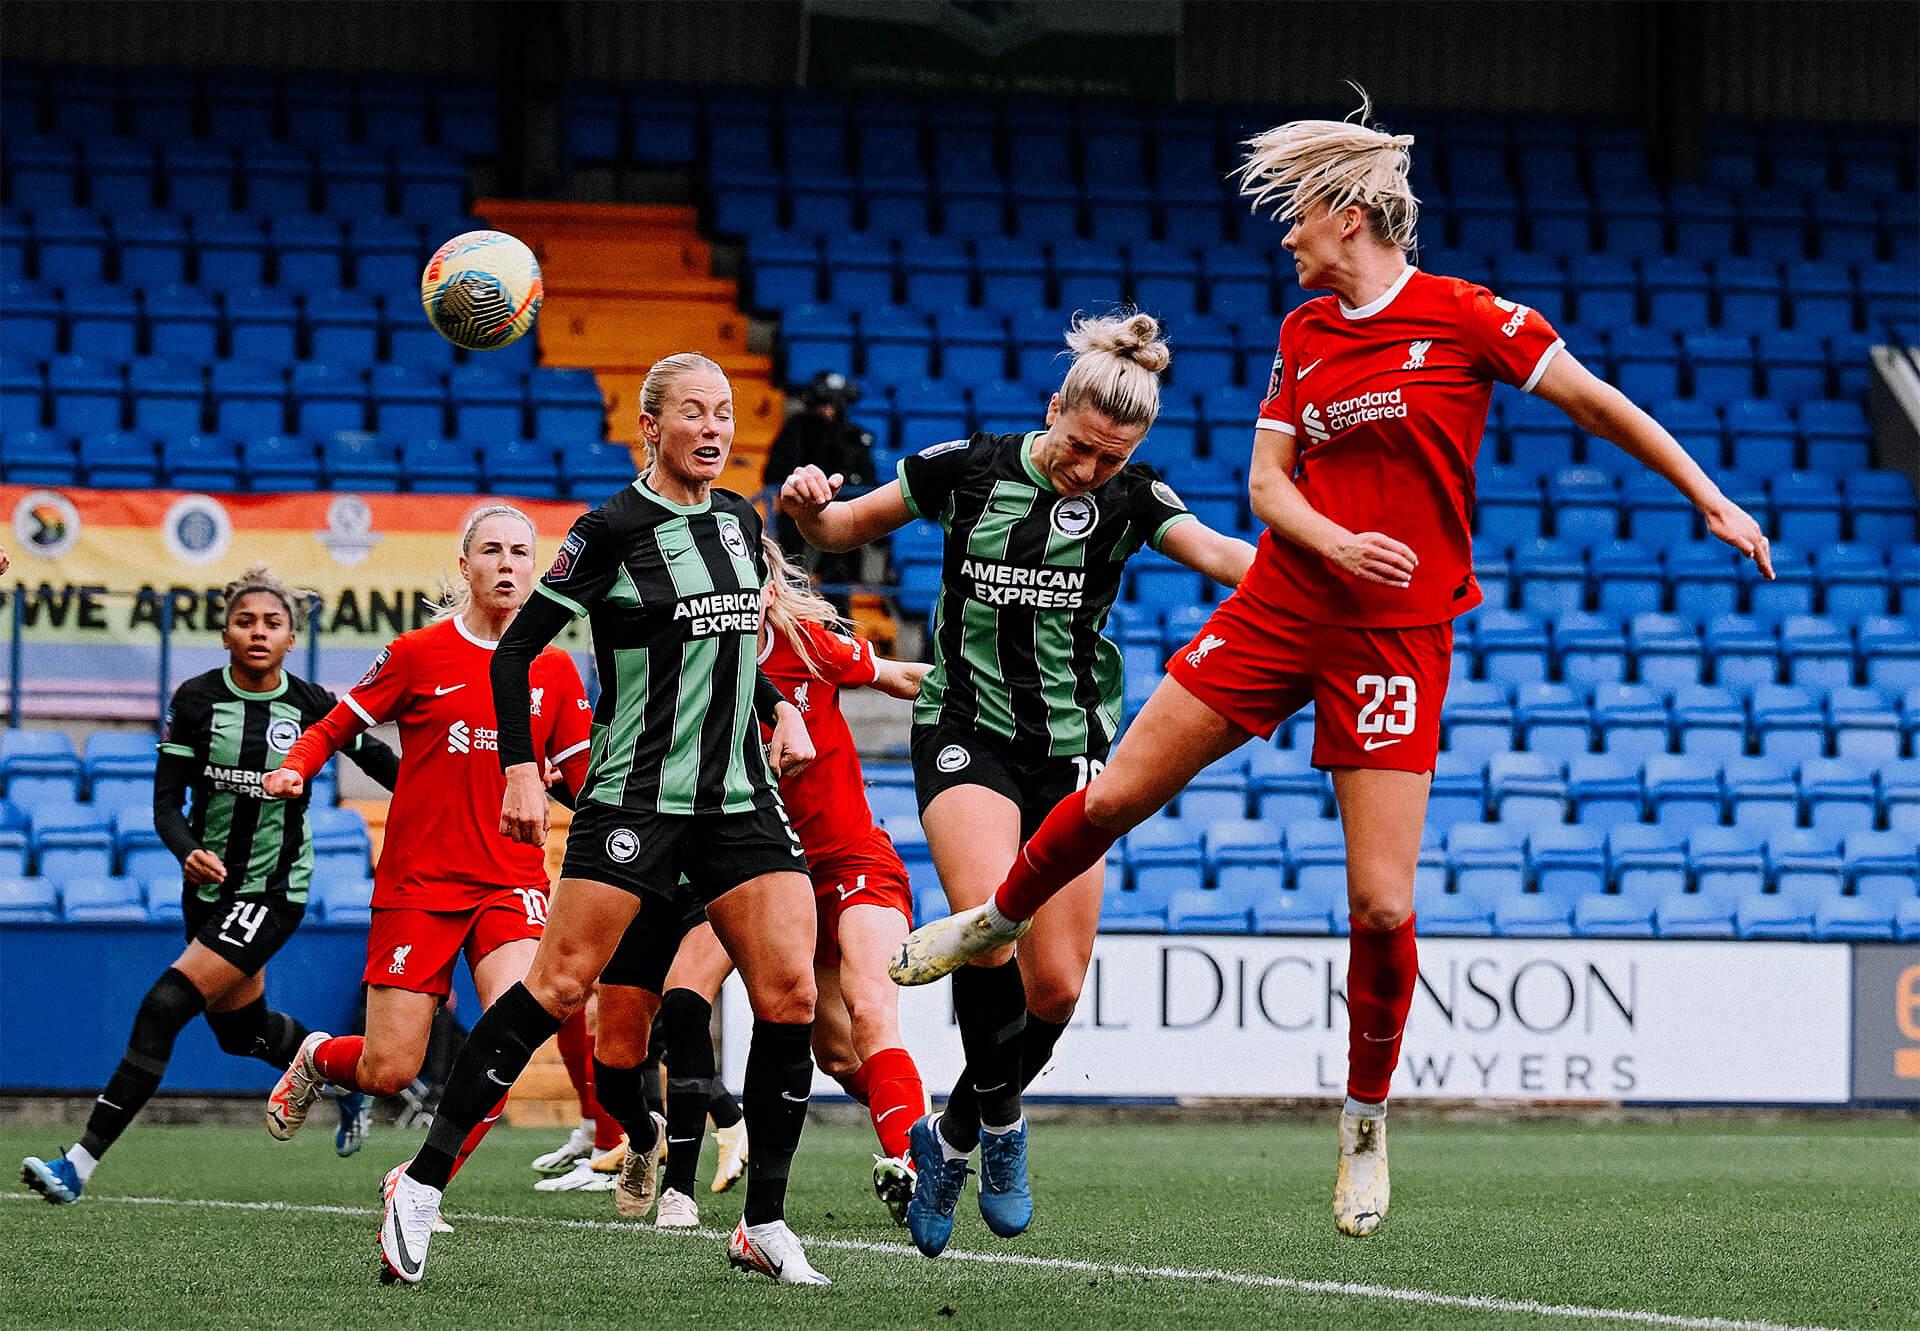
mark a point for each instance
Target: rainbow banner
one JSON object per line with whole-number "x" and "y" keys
{"x": 96, "y": 572}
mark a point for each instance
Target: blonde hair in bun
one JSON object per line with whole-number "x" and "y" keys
{"x": 1117, "y": 361}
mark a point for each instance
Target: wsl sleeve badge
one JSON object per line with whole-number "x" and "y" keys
{"x": 481, "y": 290}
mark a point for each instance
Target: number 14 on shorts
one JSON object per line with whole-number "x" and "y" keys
{"x": 1389, "y": 707}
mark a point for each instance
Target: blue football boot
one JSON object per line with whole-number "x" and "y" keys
{"x": 938, "y": 1183}
{"x": 1006, "y": 1199}
{"x": 356, "y": 1116}
{"x": 56, "y": 1179}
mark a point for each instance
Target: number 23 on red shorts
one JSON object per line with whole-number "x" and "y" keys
{"x": 1376, "y": 693}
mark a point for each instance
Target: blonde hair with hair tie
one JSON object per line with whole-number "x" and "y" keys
{"x": 260, "y": 578}
{"x": 1340, "y": 163}
{"x": 455, "y": 597}
{"x": 664, "y": 374}
{"x": 792, "y": 600}
{"x": 1117, "y": 360}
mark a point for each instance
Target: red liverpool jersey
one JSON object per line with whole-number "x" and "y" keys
{"x": 443, "y": 848}
{"x": 827, "y": 801}
{"x": 1387, "y": 404}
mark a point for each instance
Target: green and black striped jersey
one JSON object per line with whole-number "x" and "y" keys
{"x": 673, "y": 595}
{"x": 1028, "y": 580}
{"x": 230, "y": 739}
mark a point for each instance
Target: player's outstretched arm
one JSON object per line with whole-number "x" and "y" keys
{"x": 1370, "y": 555}
{"x": 324, "y": 738}
{"x": 1600, "y": 409}
{"x": 899, "y": 679}
{"x": 1223, "y": 558}
{"x": 376, "y": 759}
{"x": 829, "y": 523}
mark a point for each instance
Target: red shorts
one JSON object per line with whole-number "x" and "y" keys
{"x": 1376, "y": 693}
{"x": 415, "y": 949}
{"x": 871, "y": 875}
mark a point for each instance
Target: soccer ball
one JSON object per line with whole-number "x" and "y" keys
{"x": 481, "y": 290}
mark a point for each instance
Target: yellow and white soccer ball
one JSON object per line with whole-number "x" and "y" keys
{"x": 481, "y": 290}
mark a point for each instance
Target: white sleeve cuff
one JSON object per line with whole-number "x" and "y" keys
{"x": 1540, "y": 367}
{"x": 565, "y": 754}
{"x": 1264, "y": 424}
{"x": 358, "y": 710}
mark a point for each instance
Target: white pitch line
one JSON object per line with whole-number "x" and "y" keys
{"x": 1346, "y": 1289}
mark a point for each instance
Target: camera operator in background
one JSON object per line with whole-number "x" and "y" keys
{"x": 820, "y": 434}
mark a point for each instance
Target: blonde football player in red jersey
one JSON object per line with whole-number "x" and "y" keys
{"x": 1363, "y": 458}
{"x": 447, "y": 880}
{"x": 861, "y": 893}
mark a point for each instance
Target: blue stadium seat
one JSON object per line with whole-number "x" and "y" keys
{"x": 1486, "y": 860}
{"x": 1745, "y": 653}
{"x": 116, "y": 459}
{"x": 1299, "y": 911}
{"x": 1666, "y": 650}
{"x": 38, "y": 457}
{"x": 1591, "y": 649}
{"x": 1214, "y": 910}
{"x": 1853, "y": 581}
{"x": 1795, "y": 366}
{"x": 1818, "y": 652}
{"x": 1585, "y": 505}
{"x": 45, "y": 172}
{"x": 138, "y": 849}
{"x": 1630, "y": 719}
{"x": 1821, "y": 297}
{"x": 1164, "y": 854}
{"x": 1508, "y": 506}
{"x": 1853, "y": 919}
{"x": 86, "y": 394}
{"x": 429, "y": 183}
{"x": 1317, "y": 855}
{"x": 1882, "y": 510}
{"x": 1598, "y": 915}
{"x": 21, "y": 391}
{"x": 249, "y": 398}
{"x": 1805, "y": 863}
{"x": 394, "y": 115}
{"x": 30, "y": 317}
{"x": 1709, "y": 721}
{"x": 1726, "y": 861}
{"x": 1693, "y": 915}
{"x": 69, "y": 840}
{"x": 1217, "y": 791}
{"x": 1838, "y": 795}
{"x": 1512, "y": 647}
{"x": 387, "y": 255}
{"x": 1788, "y": 722}
{"x": 329, "y": 398}
{"x": 1865, "y": 723}
{"x": 278, "y": 462}
{"x": 102, "y": 323}
{"x": 488, "y": 404}
{"x": 360, "y": 462}
{"x": 100, "y": 898}
{"x": 1761, "y": 794}
{"x": 1682, "y": 790}
{"x": 1453, "y": 914}
{"x": 1458, "y": 793}
{"x": 1603, "y": 790}
{"x": 469, "y": 120}
{"x": 408, "y": 400}
{"x": 344, "y": 899}
{"x": 232, "y": 250}
{"x": 1567, "y": 862}
{"x": 1891, "y": 652}
{"x": 1553, "y": 720}
{"x": 1774, "y": 915}
{"x": 308, "y": 252}
{"x": 25, "y": 900}
{"x": 182, "y": 322}
{"x": 1881, "y": 866}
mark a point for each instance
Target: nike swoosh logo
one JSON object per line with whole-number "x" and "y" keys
{"x": 681, "y": 1141}
{"x": 889, "y": 1114}
{"x": 989, "y": 1090}
{"x": 408, "y": 1266}
{"x": 440, "y": 691}
{"x": 846, "y": 892}
{"x": 1378, "y": 1039}
{"x": 496, "y": 1081}
{"x": 1373, "y": 744}
{"x": 1305, "y": 370}
{"x": 796, "y": 1099}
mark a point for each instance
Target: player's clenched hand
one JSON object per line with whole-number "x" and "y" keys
{"x": 523, "y": 810}
{"x": 549, "y": 773}
{"x": 1734, "y": 525}
{"x": 791, "y": 747}
{"x": 203, "y": 866}
{"x": 283, "y": 783}
{"x": 1373, "y": 557}
{"x": 808, "y": 491}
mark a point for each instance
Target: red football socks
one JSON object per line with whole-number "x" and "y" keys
{"x": 338, "y": 1060}
{"x": 1065, "y": 846}
{"x": 576, "y": 1051}
{"x": 855, "y": 1084}
{"x": 478, "y": 1135}
{"x": 1382, "y": 966}
{"x": 895, "y": 1097}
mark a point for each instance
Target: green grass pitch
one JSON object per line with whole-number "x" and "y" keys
{"x": 1181, "y": 1226}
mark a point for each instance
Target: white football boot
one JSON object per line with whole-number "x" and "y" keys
{"x": 577, "y": 1147}
{"x": 583, "y": 1177}
{"x": 944, "y": 946}
{"x": 387, "y": 1185}
{"x": 639, "y": 1181}
{"x": 773, "y": 1251}
{"x": 1360, "y": 1188}
{"x": 677, "y": 1211}
{"x": 299, "y": 1086}
{"x": 406, "y": 1227}
{"x": 893, "y": 1184}
{"x": 733, "y": 1155}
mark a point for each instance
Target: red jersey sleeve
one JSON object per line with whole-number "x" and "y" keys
{"x": 1508, "y": 341}
{"x": 1276, "y": 408}
{"x": 573, "y": 721}
{"x": 321, "y": 740}
{"x": 842, "y": 660}
{"x": 383, "y": 690}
